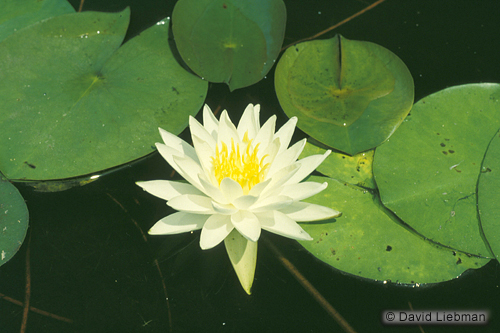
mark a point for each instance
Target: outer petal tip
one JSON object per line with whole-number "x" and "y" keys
{"x": 154, "y": 231}
{"x": 243, "y": 256}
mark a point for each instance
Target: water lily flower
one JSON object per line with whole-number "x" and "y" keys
{"x": 240, "y": 180}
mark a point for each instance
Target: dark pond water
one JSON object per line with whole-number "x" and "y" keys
{"x": 91, "y": 266}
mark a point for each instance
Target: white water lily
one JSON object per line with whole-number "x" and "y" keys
{"x": 241, "y": 180}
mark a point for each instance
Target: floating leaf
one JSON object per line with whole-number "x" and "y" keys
{"x": 368, "y": 241}
{"x": 18, "y": 14}
{"x": 489, "y": 195}
{"x": 230, "y": 41}
{"x": 355, "y": 170}
{"x": 73, "y": 103}
{"x": 428, "y": 171}
{"x": 13, "y": 220}
{"x": 349, "y": 95}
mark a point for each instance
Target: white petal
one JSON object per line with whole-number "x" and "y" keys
{"x": 177, "y": 144}
{"x": 243, "y": 256}
{"x": 258, "y": 188}
{"x": 282, "y": 225}
{"x": 266, "y": 133}
{"x": 215, "y": 230}
{"x": 307, "y": 165}
{"x": 189, "y": 170}
{"x": 285, "y": 133}
{"x": 247, "y": 224}
{"x": 205, "y": 153}
{"x": 213, "y": 192}
{"x": 303, "y": 190}
{"x": 168, "y": 153}
{"x": 177, "y": 223}
{"x": 196, "y": 204}
{"x": 231, "y": 189}
{"x": 287, "y": 157}
{"x": 172, "y": 157}
{"x": 271, "y": 151}
{"x": 245, "y": 201}
{"x": 224, "y": 209}
{"x": 166, "y": 189}
{"x": 201, "y": 132}
{"x": 278, "y": 179}
{"x": 227, "y": 132}
{"x": 210, "y": 122}
{"x": 249, "y": 121}
{"x": 256, "y": 113}
{"x": 304, "y": 211}
{"x": 271, "y": 203}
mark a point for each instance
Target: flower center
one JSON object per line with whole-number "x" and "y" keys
{"x": 240, "y": 164}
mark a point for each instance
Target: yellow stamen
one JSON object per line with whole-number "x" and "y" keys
{"x": 241, "y": 165}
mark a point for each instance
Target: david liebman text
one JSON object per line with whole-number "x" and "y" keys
{"x": 398, "y": 317}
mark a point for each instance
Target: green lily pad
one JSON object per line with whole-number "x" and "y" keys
{"x": 369, "y": 241}
{"x": 355, "y": 170}
{"x": 488, "y": 193}
{"x": 230, "y": 41}
{"x": 13, "y": 220}
{"x": 428, "y": 170}
{"x": 74, "y": 103}
{"x": 349, "y": 95}
{"x": 18, "y": 14}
